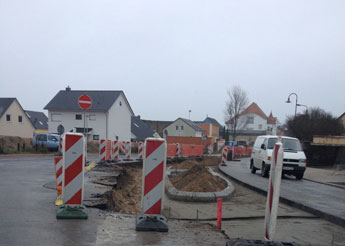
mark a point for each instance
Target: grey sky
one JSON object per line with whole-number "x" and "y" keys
{"x": 172, "y": 56}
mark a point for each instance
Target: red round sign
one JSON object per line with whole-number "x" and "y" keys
{"x": 84, "y": 101}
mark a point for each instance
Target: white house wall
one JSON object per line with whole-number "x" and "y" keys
{"x": 119, "y": 120}
{"x": 258, "y": 120}
{"x": 69, "y": 122}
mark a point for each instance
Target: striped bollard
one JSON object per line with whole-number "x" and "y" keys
{"x": 224, "y": 155}
{"x": 153, "y": 187}
{"x": 178, "y": 150}
{"x": 273, "y": 190}
{"x": 102, "y": 144}
{"x": 58, "y": 166}
{"x": 123, "y": 147}
{"x": 73, "y": 182}
{"x": 140, "y": 150}
{"x": 115, "y": 150}
{"x": 128, "y": 150}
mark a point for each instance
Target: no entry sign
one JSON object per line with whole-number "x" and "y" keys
{"x": 84, "y": 101}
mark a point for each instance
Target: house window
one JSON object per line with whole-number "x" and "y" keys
{"x": 78, "y": 117}
{"x": 8, "y": 117}
{"x": 92, "y": 117}
{"x": 20, "y": 118}
{"x": 176, "y": 128}
{"x": 260, "y": 126}
{"x": 182, "y": 128}
{"x": 250, "y": 120}
{"x": 56, "y": 117}
{"x": 95, "y": 137}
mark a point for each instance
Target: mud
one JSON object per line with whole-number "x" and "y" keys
{"x": 198, "y": 179}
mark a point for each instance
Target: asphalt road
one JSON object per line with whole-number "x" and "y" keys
{"x": 320, "y": 199}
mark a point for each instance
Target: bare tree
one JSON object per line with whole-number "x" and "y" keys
{"x": 235, "y": 104}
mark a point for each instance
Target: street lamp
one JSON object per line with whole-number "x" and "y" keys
{"x": 288, "y": 101}
{"x": 189, "y": 111}
{"x": 302, "y": 105}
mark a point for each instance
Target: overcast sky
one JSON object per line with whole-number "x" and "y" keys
{"x": 173, "y": 56}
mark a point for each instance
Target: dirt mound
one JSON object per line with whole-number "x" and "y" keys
{"x": 126, "y": 197}
{"x": 198, "y": 179}
{"x": 14, "y": 144}
{"x": 207, "y": 161}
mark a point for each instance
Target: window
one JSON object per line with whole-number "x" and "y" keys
{"x": 20, "y": 118}
{"x": 56, "y": 117}
{"x": 92, "y": 117}
{"x": 78, "y": 117}
{"x": 260, "y": 126}
{"x": 8, "y": 117}
{"x": 250, "y": 120}
{"x": 182, "y": 128}
{"x": 95, "y": 137}
{"x": 176, "y": 128}
{"x": 42, "y": 137}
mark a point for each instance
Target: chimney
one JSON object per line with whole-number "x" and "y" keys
{"x": 68, "y": 88}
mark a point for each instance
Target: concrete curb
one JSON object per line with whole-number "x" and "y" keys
{"x": 317, "y": 212}
{"x": 185, "y": 196}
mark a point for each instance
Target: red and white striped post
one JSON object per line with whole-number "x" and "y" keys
{"x": 102, "y": 144}
{"x": 128, "y": 150}
{"x": 224, "y": 155}
{"x": 58, "y": 166}
{"x": 123, "y": 147}
{"x": 178, "y": 150}
{"x": 153, "y": 176}
{"x": 273, "y": 190}
{"x": 73, "y": 181}
{"x": 140, "y": 150}
{"x": 115, "y": 150}
{"x": 153, "y": 186}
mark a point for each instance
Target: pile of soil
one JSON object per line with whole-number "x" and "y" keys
{"x": 15, "y": 144}
{"x": 126, "y": 196}
{"x": 207, "y": 161}
{"x": 198, "y": 179}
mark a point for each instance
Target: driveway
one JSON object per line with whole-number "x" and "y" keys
{"x": 317, "y": 198}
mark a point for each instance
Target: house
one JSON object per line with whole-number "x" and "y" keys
{"x": 157, "y": 125}
{"x": 108, "y": 117}
{"x": 342, "y": 119}
{"x": 253, "y": 122}
{"x": 211, "y": 126}
{"x": 183, "y": 128}
{"x": 39, "y": 121}
{"x": 140, "y": 131}
{"x": 13, "y": 119}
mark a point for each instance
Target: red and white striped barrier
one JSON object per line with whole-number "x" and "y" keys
{"x": 224, "y": 154}
{"x": 209, "y": 149}
{"x": 108, "y": 150}
{"x": 128, "y": 150}
{"x": 273, "y": 191}
{"x": 123, "y": 147}
{"x": 73, "y": 171}
{"x": 153, "y": 176}
{"x": 178, "y": 150}
{"x": 58, "y": 164}
{"x": 115, "y": 150}
{"x": 102, "y": 144}
{"x": 60, "y": 144}
{"x": 140, "y": 150}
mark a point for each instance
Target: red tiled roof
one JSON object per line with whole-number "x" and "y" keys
{"x": 271, "y": 120}
{"x": 254, "y": 109}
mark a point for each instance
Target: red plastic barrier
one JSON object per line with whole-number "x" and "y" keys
{"x": 108, "y": 150}
{"x": 171, "y": 150}
{"x": 192, "y": 150}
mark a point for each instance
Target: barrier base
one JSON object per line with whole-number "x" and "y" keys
{"x": 69, "y": 212}
{"x": 247, "y": 242}
{"x": 58, "y": 201}
{"x": 152, "y": 222}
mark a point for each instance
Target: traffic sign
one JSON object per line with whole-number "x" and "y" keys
{"x": 230, "y": 143}
{"x": 84, "y": 101}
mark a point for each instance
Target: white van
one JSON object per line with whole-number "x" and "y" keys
{"x": 294, "y": 160}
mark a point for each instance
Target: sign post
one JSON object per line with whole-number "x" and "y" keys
{"x": 85, "y": 102}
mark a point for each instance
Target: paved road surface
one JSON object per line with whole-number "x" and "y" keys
{"x": 323, "y": 200}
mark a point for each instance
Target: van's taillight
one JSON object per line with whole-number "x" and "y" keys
{"x": 268, "y": 158}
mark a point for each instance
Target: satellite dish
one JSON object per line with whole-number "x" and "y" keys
{"x": 60, "y": 129}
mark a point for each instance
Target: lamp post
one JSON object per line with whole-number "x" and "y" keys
{"x": 189, "y": 111}
{"x": 288, "y": 101}
{"x": 302, "y": 105}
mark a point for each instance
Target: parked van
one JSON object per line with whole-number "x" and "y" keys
{"x": 294, "y": 160}
{"x": 48, "y": 140}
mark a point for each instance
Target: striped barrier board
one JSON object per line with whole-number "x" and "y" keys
{"x": 153, "y": 186}
{"x": 128, "y": 150}
{"x": 73, "y": 181}
{"x": 273, "y": 191}
{"x": 102, "y": 144}
{"x": 58, "y": 164}
{"x": 178, "y": 150}
{"x": 115, "y": 150}
{"x": 140, "y": 150}
{"x": 224, "y": 155}
{"x": 108, "y": 150}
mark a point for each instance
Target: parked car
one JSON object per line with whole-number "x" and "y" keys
{"x": 294, "y": 160}
{"x": 48, "y": 140}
